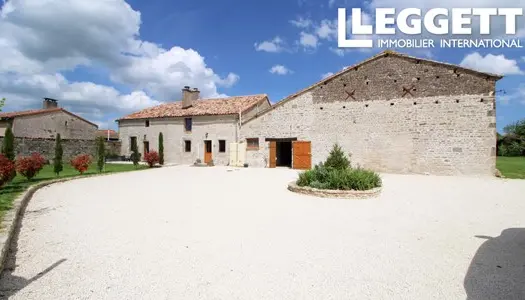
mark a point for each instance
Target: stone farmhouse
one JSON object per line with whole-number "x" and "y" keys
{"x": 392, "y": 113}
{"x": 193, "y": 128}
{"x": 35, "y": 130}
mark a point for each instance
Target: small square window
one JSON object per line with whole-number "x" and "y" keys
{"x": 188, "y": 124}
{"x": 187, "y": 146}
{"x": 147, "y": 123}
{"x": 252, "y": 144}
{"x": 222, "y": 146}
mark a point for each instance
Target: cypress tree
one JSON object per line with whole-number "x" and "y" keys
{"x": 161, "y": 149}
{"x": 135, "y": 156}
{"x": 59, "y": 151}
{"x": 101, "y": 154}
{"x": 8, "y": 148}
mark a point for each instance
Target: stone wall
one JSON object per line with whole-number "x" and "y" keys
{"x": 113, "y": 147}
{"x": 446, "y": 125}
{"x": 46, "y": 147}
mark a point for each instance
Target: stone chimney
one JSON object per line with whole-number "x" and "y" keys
{"x": 195, "y": 94}
{"x": 49, "y": 103}
{"x": 189, "y": 95}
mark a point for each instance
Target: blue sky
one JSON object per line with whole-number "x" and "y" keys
{"x": 104, "y": 59}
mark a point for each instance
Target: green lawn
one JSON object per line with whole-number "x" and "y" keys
{"x": 511, "y": 167}
{"x": 9, "y": 192}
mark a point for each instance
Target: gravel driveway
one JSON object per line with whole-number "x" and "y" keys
{"x": 208, "y": 233}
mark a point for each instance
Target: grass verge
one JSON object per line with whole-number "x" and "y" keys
{"x": 511, "y": 167}
{"x": 9, "y": 192}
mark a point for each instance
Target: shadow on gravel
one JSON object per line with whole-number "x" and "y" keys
{"x": 10, "y": 284}
{"x": 497, "y": 271}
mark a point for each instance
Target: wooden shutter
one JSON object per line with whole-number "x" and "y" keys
{"x": 273, "y": 154}
{"x": 302, "y": 155}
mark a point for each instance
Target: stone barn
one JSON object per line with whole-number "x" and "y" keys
{"x": 392, "y": 113}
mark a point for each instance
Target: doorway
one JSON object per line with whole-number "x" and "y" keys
{"x": 146, "y": 148}
{"x": 207, "y": 152}
{"x": 281, "y": 152}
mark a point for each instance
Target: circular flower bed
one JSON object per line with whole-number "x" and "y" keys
{"x": 336, "y": 178}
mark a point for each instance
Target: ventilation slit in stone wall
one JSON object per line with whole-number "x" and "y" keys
{"x": 457, "y": 100}
{"x": 344, "y": 106}
{"x": 481, "y": 100}
{"x": 437, "y": 102}
{"x": 415, "y": 103}
{"x": 321, "y": 108}
{"x": 392, "y": 104}
{"x": 366, "y": 105}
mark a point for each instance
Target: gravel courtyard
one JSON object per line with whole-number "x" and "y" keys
{"x": 210, "y": 233}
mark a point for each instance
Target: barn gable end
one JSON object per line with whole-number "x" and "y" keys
{"x": 445, "y": 126}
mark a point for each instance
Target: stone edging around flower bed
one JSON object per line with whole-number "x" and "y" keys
{"x": 353, "y": 194}
{"x": 12, "y": 218}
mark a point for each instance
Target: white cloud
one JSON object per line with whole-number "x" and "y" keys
{"x": 275, "y": 45}
{"x": 301, "y": 22}
{"x": 496, "y": 64}
{"x": 40, "y": 39}
{"x": 308, "y": 40}
{"x": 325, "y": 75}
{"x": 327, "y": 29}
{"x": 280, "y": 70}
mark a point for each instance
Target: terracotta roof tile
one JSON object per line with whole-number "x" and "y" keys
{"x": 9, "y": 115}
{"x": 224, "y": 106}
{"x": 104, "y": 133}
{"x": 14, "y": 114}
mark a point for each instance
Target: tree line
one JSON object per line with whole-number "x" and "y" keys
{"x": 512, "y": 141}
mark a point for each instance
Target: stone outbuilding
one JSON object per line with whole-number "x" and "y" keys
{"x": 45, "y": 123}
{"x": 192, "y": 129}
{"x": 392, "y": 113}
{"x": 36, "y": 130}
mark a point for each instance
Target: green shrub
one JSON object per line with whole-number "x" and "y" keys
{"x": 135, "y": 155}
{"x": 59, "y": 152}
{"x": 337, "y": 159}
{"x": 336, "y": 174}
{"x": 161, "y": 148}
{"x": 322, "y": 177}
{"x": 101, "y": 153}
{"x": 8, "y": 147}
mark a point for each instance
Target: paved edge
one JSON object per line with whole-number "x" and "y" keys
{"x": 13, "y": 218}
{"x": 353, "y": 194}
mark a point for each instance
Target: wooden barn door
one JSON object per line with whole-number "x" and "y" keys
{"x": 302, "y": 155}
{"x": 207, "y": 152}
{"x": 273, "y": 154}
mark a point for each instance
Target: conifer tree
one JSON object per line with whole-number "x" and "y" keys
{"x": 59, "y": 151}
{"x": 161, "y": 148}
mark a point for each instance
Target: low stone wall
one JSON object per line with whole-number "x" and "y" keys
{"x": 334, "y": 193}
{"x": 46, "y": 147}
{"x": 113, "y": 147}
